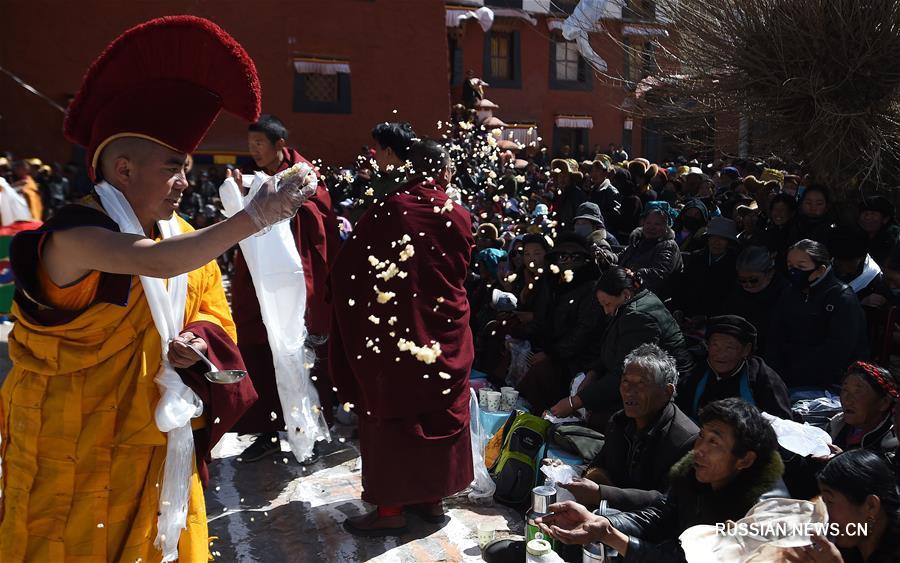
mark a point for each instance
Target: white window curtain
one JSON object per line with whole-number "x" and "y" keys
{"x": 574, "y": 122}
{"x": 313, "y": 66}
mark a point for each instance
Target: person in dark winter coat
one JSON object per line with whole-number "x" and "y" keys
{"x": 854, "y": 266}
{"x": 708, "y": 274}
{"x": 734, "y": 464}
{"x": 636, "y": 316}
{"x": 818, "y": 327}
{"x": 566, "y": 326}
{"x": 777, "y": 235}
{"x": 601, "y": 191}
{"x": 815, "y": 220}
{"x": 568, "y": 195}
{"x": 643, "y": 441}
{"x": 877, "y": 219}
{"x": 652, "y": 253}
{"x": 731, "y": 370}
{"x": 759, "y": 287}
{"x": 690, "y": 226}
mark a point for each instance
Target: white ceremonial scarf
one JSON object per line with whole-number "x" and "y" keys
{"x": 277, "y": 274}
{"x": 178, "y": 404}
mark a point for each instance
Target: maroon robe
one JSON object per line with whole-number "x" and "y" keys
{"x": 316, "y": 234}
{"x": 413, "y": 431}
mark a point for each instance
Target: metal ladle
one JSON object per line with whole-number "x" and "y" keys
{"x": 216, "y": 375}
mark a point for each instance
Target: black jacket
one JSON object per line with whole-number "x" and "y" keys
{"x": 638, "y": 463}
{"x": 701, "y": 287}
{"x": 654, "y": 531}
{"x": 757, "y": 308}
{"x": 767, "y": 390}
{"x": 640, "y": 320}
{"x": 654, "y": 261}
{"x": 814, "y": 336}
{"x": 569, "y": 321}
{"x": 607, "y": 199}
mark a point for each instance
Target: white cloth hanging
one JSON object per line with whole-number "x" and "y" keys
{"x": 178, "y": 404}
{"x": 277, "y": 274}
{"x": 13, "y": 205}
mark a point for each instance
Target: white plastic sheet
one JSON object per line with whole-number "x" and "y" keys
{"x": 802, "y": 439}
{"x": 13, "y": 205}
{"x": 769, "y": 527}
{"x": 280, "y": 285}
{"x": 177, "y": 403}
{"x": 482, "y": 487}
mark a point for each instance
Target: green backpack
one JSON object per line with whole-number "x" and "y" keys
{"x": 515, "y": 469}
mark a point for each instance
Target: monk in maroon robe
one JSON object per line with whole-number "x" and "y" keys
{"x": 401, "y": 348}
{"x": 316, "y": 234}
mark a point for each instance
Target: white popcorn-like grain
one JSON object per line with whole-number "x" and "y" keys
{"x": 445, "y": 392}
{"x": 348, "y": 406}
{"x": 351, "y": 302}
{"x": 384, "y": 296}
{"x": 427, "y": 355}
{"x": 369, "y": 192}
{"x": 444, "y": 375}
{"x": 407, "y": 253}
{"x": 554, "y": 268}
{"x": 374, "y": 320}
{"x": 273, "y": 416}
{"x": 568, "y": 276}
{"x": 389, "y": 273}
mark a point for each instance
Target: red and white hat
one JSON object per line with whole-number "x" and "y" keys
{"x": 165, "y": 80}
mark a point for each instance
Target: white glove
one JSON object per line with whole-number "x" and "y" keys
{"x": 278, "y": 201}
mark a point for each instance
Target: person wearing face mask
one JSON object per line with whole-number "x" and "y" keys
{"x": 589, "y": 219}
{"x": 818, "y": 327}
{"x": 731, "y": 369}
{"x": 636, "y": 316}
{"x": 754, "y": 294}
{"x": 876, "y": 218}
{"x": 815, "y": 219}
{"x": 690, "y": 226}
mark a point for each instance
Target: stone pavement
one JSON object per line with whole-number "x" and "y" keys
{"x": 276, "y": 511}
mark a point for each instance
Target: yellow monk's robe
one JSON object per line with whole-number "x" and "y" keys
{"x": 82, "y": 456}
{"x": 32, "y": 194}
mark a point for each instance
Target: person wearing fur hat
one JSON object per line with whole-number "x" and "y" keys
{"x": 731, "y": 369}
{"x": 129, "y": 298}
{"x": 734, "y": 464}
{"x": 652, "y": 252}
{"x": 708, "y": 274}
{"x": 877, "y": 219}
{"x": 568, "y": 196}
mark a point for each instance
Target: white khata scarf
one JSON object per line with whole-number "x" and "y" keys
{"x": 178, "y": 404}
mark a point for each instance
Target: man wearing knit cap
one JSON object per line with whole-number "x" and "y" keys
{"x": 732, "y": 370}
{"x": 108, "y": 419}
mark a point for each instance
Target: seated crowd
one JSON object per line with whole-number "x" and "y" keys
{"x": 689, "y": 308}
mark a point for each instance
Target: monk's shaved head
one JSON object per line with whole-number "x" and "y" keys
{"x": 135, "y": 149}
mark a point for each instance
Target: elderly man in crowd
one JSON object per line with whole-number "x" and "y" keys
{"x": 734, "y": 464}
{"x": 643, "y": 441}
{"x": 732, "y": 369}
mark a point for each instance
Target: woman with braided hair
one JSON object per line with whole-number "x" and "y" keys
{"x": 868, "y": 393}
